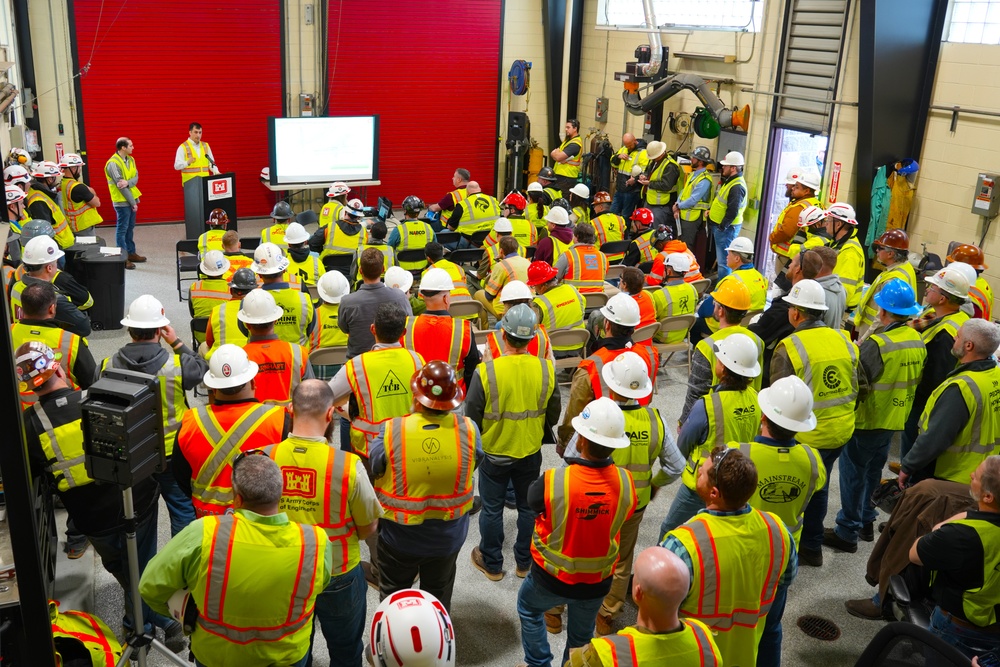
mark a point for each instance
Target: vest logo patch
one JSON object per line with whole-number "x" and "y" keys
{"x": 431, "y": 446}
{"x": 593, "y": 511}
{"x": 299, "y": 482}
{"x": 780, "y": 489}
{"x": 390, "y": 386}
{"x": 482, "y": 204}
{"x": 271, "y": 367}
{"x": 830, "y": 378}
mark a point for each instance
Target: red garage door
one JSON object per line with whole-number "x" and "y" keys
{"x": 430, "y": 70}
{"x": 156, "y": 66}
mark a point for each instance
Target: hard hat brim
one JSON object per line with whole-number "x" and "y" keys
{"x": 296, "y": 239}
{"x": 791, "y": 424}
{"x": 213, "y": 382}
{"x": 911, "y": 311}
{"x": 939, "y": 284}
{"x": 264, "y": 271}
{"x": 752, "y": 372}
{"x": 436, "y": 403}
{"x": 642, "y": 392}
{"x": 611, "y": 318}
{"x": 246, "y": 319}
{"x": 579, "y": 425}
{"x": 214, "y": 273}
{"x": 811, "y": 306}
{"x": 136, "y": 324}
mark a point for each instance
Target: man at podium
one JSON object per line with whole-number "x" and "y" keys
{"x": 194, "y": 157}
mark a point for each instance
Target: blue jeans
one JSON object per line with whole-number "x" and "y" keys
{"x": 532, "y": 603}
{"x": 493, "y": 483}
{"x": 686, "y": 504}
{"x": 965, "y": 639}
{"x": 815, "y": 513}
{"x": 769, "y": 647}
{"x": 340, "y": 611}
{"x": 114, "y": 557}
{"x": 179, "y": 506}
{"x": 124, "y": 228}
{"x": 723, "y": 237}
{"x": 624, "y": 203}
{"x": 860, "y": 474}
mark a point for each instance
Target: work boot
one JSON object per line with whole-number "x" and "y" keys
{"x": 129, "y": 265}
{"x": 553, "y": 623}
{"x": 480, "y": 564}
{"x": 811, "y": 557}
{"x": 834, "y": 541}
{"x": 864, "y": 609}
{"x": 136, "y": 257}
{"x": 522, "y": 572}
{"x": 867, "y": 532}
{"x": 894, "y": 467}
{"x": 603, "y": 626}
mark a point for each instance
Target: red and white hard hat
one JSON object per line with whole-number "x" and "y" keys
{"x": 842, "y": 212}
{"x": 411, "y": 628}
{"x": 71, "y": 160}
{"x": 45, "y": 169}
{"x": 337, "y": 189}
{"x": 15, "y": 174}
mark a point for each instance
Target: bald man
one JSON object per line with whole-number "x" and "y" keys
{"x": 659, "y": 586}
{"x": 476, "y": 214}
{"x": 627, "y": 189}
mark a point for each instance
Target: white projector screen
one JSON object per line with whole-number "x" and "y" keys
{"x": 324, "y": 149}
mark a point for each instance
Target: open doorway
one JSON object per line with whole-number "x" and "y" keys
{"x": 789, "y": 149}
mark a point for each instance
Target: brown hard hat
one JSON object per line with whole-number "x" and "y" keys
{"x": 35, "y": 362}
{"x": 218, "y": 218}
{"x": 970, "y": 254}
{"x": 435, "y": 386}
{"x": 894, "y": 238}
{"x": 602, "y": 198}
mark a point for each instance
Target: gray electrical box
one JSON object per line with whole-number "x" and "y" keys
{"x": 986, "y": 200}
{"x": 601, "y": 110}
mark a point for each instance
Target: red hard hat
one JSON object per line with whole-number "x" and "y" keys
{"x": 515, "y": 200}
{"x": 894, "y": 238}
{"x": 602, "y": 198}
{"x": 435, "y": 386}
{"x": 643, "y": 215}
{"x": 970, "y": 254}
{"x": 218, "y": 218}
{"x": 540, "y": 273}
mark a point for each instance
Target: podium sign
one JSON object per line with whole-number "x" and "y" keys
{"x": 201, "y": 195}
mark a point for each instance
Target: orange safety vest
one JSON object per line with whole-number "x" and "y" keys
{"x": 595, "y": 362}
{"x": 429, "y": 471}
{"x": 647, "y": 310}
{"x": 586, "y": 268}
{"x": 658, "y": 272}
{"x": 237, "y": 261}
{"x": 280, "y": 368}
{"x": 576, "y": 537}
{"x": 539, "y": 345}
{"x": 211, "y": 436}
{"x": 380, "y": 383}
{"x": 439, "y": 338}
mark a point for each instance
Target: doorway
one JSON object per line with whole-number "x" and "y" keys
{"x": 788, "y": 149}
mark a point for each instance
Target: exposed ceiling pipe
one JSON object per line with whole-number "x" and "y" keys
{"x": 567, "y": 54}
{"x": 655, "y": 43}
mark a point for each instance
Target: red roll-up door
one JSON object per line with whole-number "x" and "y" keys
{"x": 429, "y": 69}
{"x": 157, "y": 65}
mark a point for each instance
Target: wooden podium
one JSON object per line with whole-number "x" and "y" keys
{"x": 201, "y": 195}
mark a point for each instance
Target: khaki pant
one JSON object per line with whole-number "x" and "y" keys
{"x": 615, "y": 599}
{"x": 484, "y": 319}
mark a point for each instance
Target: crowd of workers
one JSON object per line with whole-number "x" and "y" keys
{"x": 384, "y": 335}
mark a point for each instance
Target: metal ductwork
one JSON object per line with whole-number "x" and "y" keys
{"x": 655, "y": 43}
{"x": 675, "y": 84}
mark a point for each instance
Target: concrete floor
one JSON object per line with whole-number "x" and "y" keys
{"x": 484, "y": 613}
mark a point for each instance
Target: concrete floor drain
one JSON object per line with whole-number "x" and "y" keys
{"x": 818, "y": 627}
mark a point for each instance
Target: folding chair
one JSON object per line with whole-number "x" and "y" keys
{"x": 567, "y": 338}
{"x": 186, "y": 253}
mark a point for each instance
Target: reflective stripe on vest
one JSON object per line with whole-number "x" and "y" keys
{"x": 199, "y": 165}
{"x": 224, "y": 324}
{"x": 479, "y": 213}
{"x": 538, "y": 347}
{"x": 732, "y": 416}
{"x": 66, "y": 458}
{"x": 80, "y": 215}
{"x": 59, "y": 223}
{"x": 558, "y": 311}
{"x": 571, "y": 167}
{"x": 431, "y": 350}
{"x": 867, "y": 313}
{"x": 172, "y": 397}
{"x": 979, "y": 604}
{"x": 632, "y": 648}
{"x": 63, "y": 344}
{"x": 888, "y": 404}
{"x": 274, "y": 384}
{"x": 794, "y": 524}
{"x": 457, "y": 197}
{"x": 720, "y": 203}
{"x": 380, "y": 383}
{"x": 949, "y": 323}
{"x": 211, "y": 240}
{"x": 661, "y": 197}
{"x": 982, "y": 294}
{"x": 296, "y": 308}
{"x": 586, "y": 267}
{"x": 696, "y": 212}
{"x": 610, "y": 227}
{"x": 644, "y": 428}
{"x": 205, "y": 295}
{"x": 414, "y": 235}
{"x": 129, "y": 171}
{"x": 647, "y": 253}
{"x": 338, "y": 242}
{"x": 514, "y": 416}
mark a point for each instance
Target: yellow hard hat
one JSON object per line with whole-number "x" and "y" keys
{"x": 732, "y": 293}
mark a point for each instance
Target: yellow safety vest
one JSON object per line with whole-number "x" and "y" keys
{"x": 558, "y": 248}
{"x": 582, "y": 214}
{"x": 211, "y": 240}
{"x": 244, "y": 563}
{"x": 64, "y": 345}
{"x": 330, "y": 213}
{"x": 479, "y": 212}
{"x": 644, "y": 428}
{"x": 660, "y": 197}
{"x": 505, "y": 271}
{"x": 298, "y": 314}
{"x": 888, "y": 404}
{"x": 275, "y": 234}
{"x": 523, "y": 231}
{"x": 318, "y": 483}
{"x": 950, "y": 324}
{"x": 337, "y": 242}
{"x": 630, "y": 159}
{"x": 388, "y": 256}
{"x": 610, "y": 227}
{"x": 867, "y": 312}
{"x": 980, "y": 435}
{"x": 535, "y": 218}
{"x": 644, "y": 244}
{"x": 632, "y": 647}
{"x": 982, "y": 295}
{"x": 696, "y": 212}
{"x": 460, "y": 287}
{"x": 705, "y": 347}
{"x": 225, "y": 326}
{"x": 80, "y": 215}
{"x": 980, "y": 604}
{"x": 380, "y": 383}
{"x": 733, "y": 416}
{"x": 787, "y": 478}
{"x": 64, "y": 451}
{"x": 308, "y": 271}
{"x": 327, "y": 331}
{"x": 514, "y": 414}
{"x": 571, "y": 167}
{"x": 208, "y": 293}
{"x": 89, "y": 631}
{"x": 670, "y": 300}
{"x": 756, "y": 284}
{"x": 430, "y": 465}
{"x": 851, "y": 270}
{"x": 200, "y": 167}
{"x": 129, "y": 171}
{"x": 738, "y": 562}
{"x": 457, "y": 197}
{"x": 827, "y": 360}
{"x": 172, "y": 398}
{"x": 717, "y": 211}
{"x": 414, "y": 235}
{"x": 63, "y": 234}
{"x": 562, "y": 307}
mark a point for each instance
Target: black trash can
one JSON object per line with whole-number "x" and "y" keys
{"x": 104, "y": 277}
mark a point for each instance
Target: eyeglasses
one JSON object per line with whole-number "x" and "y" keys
{"x": 718, "y": 456}
{"x": 243, "y": 455}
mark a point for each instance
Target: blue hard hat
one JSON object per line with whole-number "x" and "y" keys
{"x": 897, "y": 297}
{"x": 908, "y": 166}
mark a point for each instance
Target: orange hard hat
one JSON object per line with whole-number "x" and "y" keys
{"x": 540, "y": 273}
{"x": 970, "y": 254}
{"x": 218, "y": 218}
{"x": 732, "y": 294}
{"x": 602, "y": 197}
{"x": 894, "y": 238}
{"x": 435, "y": 386}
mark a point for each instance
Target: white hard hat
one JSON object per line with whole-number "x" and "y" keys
{"x": 332, "y": 286}
{"x": 146, "y": 312}
{"x": 229, "y": 367}
{"x": 214, "y": 263}
{"x": 41, "y": 250}
{"x": 436, "y": 280}
{"x": 844, "y": 212}
{"x": 16, "y": 174}
{"x": 949, "y": 279}
{"x": 679, "y": 262}
{"x": 602, "y": 423}
{"x": 296, "y": 233}
{"x": 14, "y": 194}
{"x": 628, "y": 376}
{"x": 970, "y": 273}
{"x": 811, "y": 215}
{"x": 807, "y": 294}
{"x": 177, "y": 604}
{"x": 535, "y": 186}
{"x": 792, "y": 176}
{"x": 741, "y": 244}
{"x": 71, "y": 160}
{"x": 580, "y": 190}
{"x": 399, "y": 278}
{"x": 622, "y": 309}
{"x": 411, "y": 628}
{"x": 265, "y": 174}
{"x": 810, "y": 178}
{"x": 356, "y": 203}
{"x": 733, "y": 159}
{"x": 259, "y": 307}
{"x": 557, "y": 215}
{"x": 788, "y": 402}
{"x": 655, "y": 149}
{"x": 503, "y": 226}
{"x": 45, "y": 169}
{"x": 636, "y": 170}
{"x": 337, "y": 189}
{"x": 515, "y": 290}
{"x": 268, "y": 259}
{"x": 738, "y": 353}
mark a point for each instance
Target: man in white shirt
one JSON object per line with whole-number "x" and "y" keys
{"x": 194, "y": 157}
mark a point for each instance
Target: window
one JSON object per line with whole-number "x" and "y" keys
{"x": 733, "y": 15}
{"x": 974, "y": 22}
